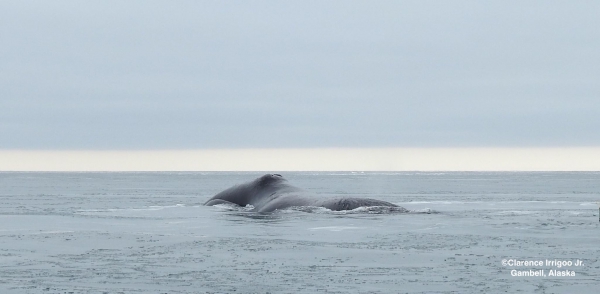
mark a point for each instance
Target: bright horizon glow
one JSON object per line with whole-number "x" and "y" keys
{"x": 316, "y": 159}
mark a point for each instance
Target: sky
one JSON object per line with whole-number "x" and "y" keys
{"x": 215, "y": 75}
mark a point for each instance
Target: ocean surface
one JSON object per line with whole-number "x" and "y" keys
{"x": 467, "y": 232}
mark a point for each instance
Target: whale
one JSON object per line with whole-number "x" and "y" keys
{"x": 273, "y": 192}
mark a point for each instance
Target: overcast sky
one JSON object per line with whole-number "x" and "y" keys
{"x": 123, "y": 75}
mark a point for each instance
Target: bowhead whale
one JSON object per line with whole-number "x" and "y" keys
{"x": 271, "y": 192}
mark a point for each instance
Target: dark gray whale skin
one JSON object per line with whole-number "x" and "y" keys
{"x": 271, "y": 192}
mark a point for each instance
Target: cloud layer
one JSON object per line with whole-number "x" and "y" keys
{"x": 213, "y": 74}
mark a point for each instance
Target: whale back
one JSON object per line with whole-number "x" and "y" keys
{"x": 349, "y": 203}
{"x": 255, "y": 193}
{"x": 272, "y": 192}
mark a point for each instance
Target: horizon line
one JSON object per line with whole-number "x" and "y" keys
{"x": 430, "y": 159}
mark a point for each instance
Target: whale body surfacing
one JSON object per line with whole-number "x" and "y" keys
{"x": 272, "y": 192}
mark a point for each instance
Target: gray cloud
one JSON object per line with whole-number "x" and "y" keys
{"x": 213, "y": 74}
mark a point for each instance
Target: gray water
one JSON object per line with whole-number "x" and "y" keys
{"x": 149, "y": 233}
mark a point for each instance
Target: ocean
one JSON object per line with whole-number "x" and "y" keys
{"x": 467, "y": 232}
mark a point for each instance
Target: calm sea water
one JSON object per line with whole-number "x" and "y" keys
{"x": 149, "y": 233}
